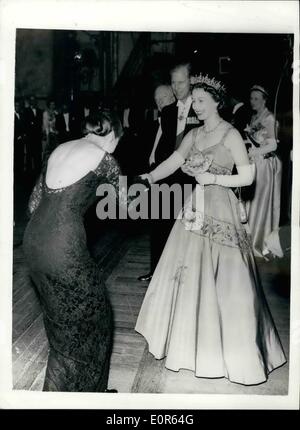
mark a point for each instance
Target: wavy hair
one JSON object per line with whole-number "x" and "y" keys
{"x": 102, "y": 123}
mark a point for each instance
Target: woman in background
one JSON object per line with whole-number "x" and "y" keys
{"x": 264, "y": 205}
{"x": 49, "y": 130}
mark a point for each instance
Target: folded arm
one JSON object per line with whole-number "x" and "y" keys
{"x": 269, "y": 146}
{"x": 270, "y": 143}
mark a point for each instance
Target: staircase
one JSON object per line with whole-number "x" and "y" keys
{"x": 134, "y": 64}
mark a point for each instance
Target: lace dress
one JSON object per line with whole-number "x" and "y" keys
{"x": 205, "y": 309}
{"x": 77, "y": 313}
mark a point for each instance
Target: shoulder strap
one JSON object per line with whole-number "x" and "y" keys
{"x": 195, "y": 132}
{"x": 194, "y": 137}
{"x": 226, "y": 133}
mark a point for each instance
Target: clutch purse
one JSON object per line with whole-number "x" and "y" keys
{"x": 241, "y": 207}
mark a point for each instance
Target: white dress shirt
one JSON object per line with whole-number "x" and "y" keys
{"x": 183, "y": 111}
{"x": 158, "y": 135}
{"x": 66, "y": 116}
{"x": 126, "y": 118}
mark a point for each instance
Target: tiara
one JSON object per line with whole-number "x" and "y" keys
{"x": 212, "y": 82}
{"x": 259, "y": 88}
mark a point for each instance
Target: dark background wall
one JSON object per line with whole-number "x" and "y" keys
{"x": 123, "y": 68}
{"x": 252, "y": 58}
{"x": 34, "y": 62}
{"x": 129, "y": 64}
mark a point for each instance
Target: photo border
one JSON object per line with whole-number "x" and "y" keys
{"x": 170, "y": 16}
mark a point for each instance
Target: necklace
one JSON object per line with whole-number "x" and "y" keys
{"x": 213, "y": 129}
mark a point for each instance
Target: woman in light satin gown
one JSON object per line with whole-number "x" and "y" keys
{"x": 205, "y": 308}
{"x": 50, "y": 140}
{"x": 263, "y": 207}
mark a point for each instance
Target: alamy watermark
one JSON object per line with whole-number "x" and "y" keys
{"x": 160, "y": 201}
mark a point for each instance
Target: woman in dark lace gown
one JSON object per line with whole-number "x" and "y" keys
{"x": 77, "y": 313}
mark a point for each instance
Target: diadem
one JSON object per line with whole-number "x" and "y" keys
{"x": 259, "y": 88}
{"x": 212, "y": 82}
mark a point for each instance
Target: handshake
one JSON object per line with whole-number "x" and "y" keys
{"x": 144, "y": 179}
{"x": 204, "y": 178}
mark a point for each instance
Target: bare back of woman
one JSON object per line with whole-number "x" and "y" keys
{"x": 71, "y": 161}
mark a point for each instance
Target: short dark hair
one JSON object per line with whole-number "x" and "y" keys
{"x": 102, "y": 123}
{"x": 181, "y": 64}
{"x": 50, "y": 101}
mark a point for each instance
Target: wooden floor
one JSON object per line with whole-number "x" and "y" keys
{"x": 123, "y": 255}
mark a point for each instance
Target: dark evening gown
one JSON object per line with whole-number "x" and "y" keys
{"x": 77, "y": 312}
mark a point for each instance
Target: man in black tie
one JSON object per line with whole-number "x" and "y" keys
{"x": 33, "y": 120}
{"x": 163, "y": 96}
{"x": 65, "y": 124}
{"x": 177, "y": 119}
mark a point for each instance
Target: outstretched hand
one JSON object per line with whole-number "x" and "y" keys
{"x": 142, "y": 179}
{"x": 148, "y": 177}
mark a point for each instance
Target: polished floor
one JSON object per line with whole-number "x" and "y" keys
{"x": 122, "y": 251}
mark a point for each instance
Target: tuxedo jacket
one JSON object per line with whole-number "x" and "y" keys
{"x": 169, "y": 141}
{"x": 18, "y": 127}
{"x": 61, "y": 127}
{"x": 60, "y": 123}
{"x": 151, "y": 130}
{"x": 33, "y": 123}
{"x": 146, "y": 143}
{"x": 241, "y": 118}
